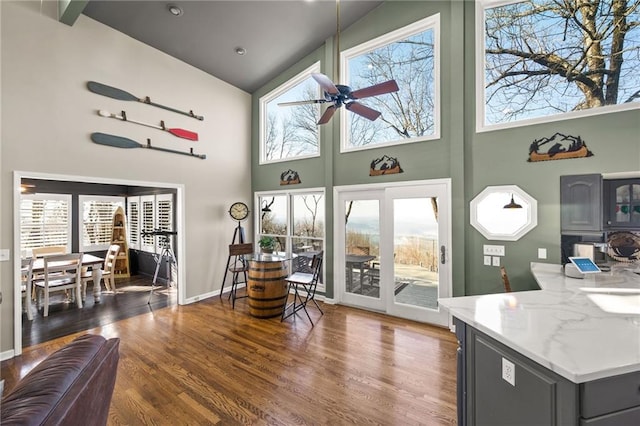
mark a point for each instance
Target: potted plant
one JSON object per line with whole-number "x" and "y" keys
{"x": 267, "y": 244}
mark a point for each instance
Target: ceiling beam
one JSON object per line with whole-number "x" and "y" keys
{"x": 69, "y": 10}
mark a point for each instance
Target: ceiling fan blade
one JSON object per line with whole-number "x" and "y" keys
{"x": 362, "y": 110}
{"x": 311, "y": 101}
{"x": 328, "y": 113}
{"x": 375, "y": 90}
{"x": 326, "y": 83}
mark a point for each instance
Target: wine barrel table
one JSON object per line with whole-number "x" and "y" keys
{"x": 267, "y": 285}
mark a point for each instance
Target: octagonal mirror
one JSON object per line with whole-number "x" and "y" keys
{"x": 504, "y": 213}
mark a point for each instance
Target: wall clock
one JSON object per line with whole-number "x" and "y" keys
{"x": 239, "y": 211}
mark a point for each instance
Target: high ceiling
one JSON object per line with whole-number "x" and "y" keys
{"x": 275, "y": 34}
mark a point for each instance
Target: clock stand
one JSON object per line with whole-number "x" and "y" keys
{"x": 238, "y": 211}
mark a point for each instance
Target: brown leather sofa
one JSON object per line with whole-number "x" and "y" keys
{"x": 72, "y": 386}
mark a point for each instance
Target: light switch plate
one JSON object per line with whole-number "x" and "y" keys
{"x": 492, "y": 250}
{"x": 542, "y": 253}
{"x": 487, "y": 260}
{"x": 495, "y": 261}
{"x": 4, "y": 255}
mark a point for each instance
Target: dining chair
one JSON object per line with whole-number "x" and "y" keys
{"x": 26, "y": 286}
{"x": 61, "y": 272}
{"x": 304, "y": 282}
{"x": 505, "y": 279}
{"x": 48, "y": 250}
{"x": 108, "y": 272}
{"x": 239, "y": 266}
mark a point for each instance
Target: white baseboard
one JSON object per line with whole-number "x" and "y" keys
{"x": 7, "y": 354}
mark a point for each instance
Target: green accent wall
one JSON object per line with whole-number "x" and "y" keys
{"x": 472, "y": 160}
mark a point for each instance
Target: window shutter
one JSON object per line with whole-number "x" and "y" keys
{"x": 44, "y": 221}
{"x": 147, "y": 211}
{"x": 96, "y": 228}
{"x": 164, "y": 215}
{"x": 133, "y": 207}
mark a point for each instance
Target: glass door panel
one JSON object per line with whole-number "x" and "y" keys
{"x": 415, "y": 252}
{"x": 391, "y": 249}
{"x": 362, "y": 247}
{"x": 418, "y": 242}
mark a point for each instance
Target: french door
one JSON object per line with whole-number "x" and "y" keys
{"x": 392, "y": 248}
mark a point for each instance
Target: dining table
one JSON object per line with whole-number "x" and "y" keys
{"x": 356, "y": 261}
{"x": 89, "y": 261}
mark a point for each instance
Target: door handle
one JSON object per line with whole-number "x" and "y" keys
{"x": 443, "y": 254}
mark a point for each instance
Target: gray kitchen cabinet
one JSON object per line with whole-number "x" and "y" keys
{"x": 538, "y": 396}
{"x": 623, "y": 203}
{"x": 581, "y": 203}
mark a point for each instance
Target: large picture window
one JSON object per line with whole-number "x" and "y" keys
{"x": 410, "y": 56}
{"x": 290, "y": 132}
{"x": 545, "y": 60}
{"x": 296, "y": 219}
{"x": 45, "y": 220}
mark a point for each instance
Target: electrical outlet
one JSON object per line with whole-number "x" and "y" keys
{"x": 487, "y": 260}
{"x": 495, "y": 261}
{"x": 4, "y": 255}
{"x": 508, "y": 372}
{"x": 490, "y": 250}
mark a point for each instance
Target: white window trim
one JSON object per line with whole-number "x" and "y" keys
{"x": 481, "y": 6}
{"x": 81, "y": 201}
{"x": 289, "y": 193}
{"x": 262, "y": 113}
{"x": 47, "y": 196}
{"x": 430, "y": 22}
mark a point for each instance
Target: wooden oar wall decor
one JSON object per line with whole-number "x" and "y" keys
{"x": 112, "y": 92}
{"x": 121, "y": 142}
{"x": 181, "y": 133}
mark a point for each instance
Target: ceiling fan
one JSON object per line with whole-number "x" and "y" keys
{"x": 338, "y": 94}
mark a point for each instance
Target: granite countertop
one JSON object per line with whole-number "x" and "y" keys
{"x": 582, "y": 329}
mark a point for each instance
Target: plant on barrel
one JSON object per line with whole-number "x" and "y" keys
{"x": 267, "y": 244}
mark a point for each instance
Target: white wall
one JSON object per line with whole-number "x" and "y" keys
{"x": 48, "y": 115}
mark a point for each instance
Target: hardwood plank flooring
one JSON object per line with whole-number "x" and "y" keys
{"x": 130, "y": 299}
{"x": 205, "y": 363}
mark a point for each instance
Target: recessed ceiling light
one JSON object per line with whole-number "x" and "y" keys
{"x": 175, "y": 10}
{"x": 240, "y": 51}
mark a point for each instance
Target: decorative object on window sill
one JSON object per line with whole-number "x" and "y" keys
{"x": 120, "y": 142}
{"x": 512, "y": 204}
{"x": 565, "y": 146}
{"x": 267, "y": 244}
{"x": 289, "y": 177}
{"x": 112, "y": 92}
{"x": 181, "y": 133}
{"x": 385, "y": 165}
{"x": 624, "y": 246}
{"x": 338, "y": 94}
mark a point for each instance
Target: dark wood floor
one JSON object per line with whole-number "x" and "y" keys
{"x": 130, "y": 299}
{"x": 205, "y": 363}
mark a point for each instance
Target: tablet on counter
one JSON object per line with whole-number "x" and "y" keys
{"x": 585, "y": 265}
